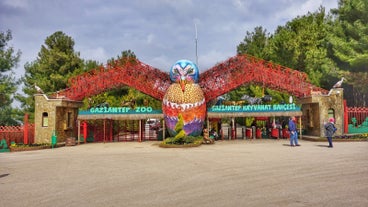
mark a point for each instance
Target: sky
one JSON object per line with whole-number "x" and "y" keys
{"x": 159, "y": 32}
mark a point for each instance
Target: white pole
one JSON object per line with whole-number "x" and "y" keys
{"x": 196, "y": 43}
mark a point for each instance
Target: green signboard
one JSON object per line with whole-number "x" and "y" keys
{"x": 120, "y": 110}
{"x": 254, "y": 108}
{"x": 216, "y": 108}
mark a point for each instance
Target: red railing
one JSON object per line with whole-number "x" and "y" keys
{"x": 116, "y": 131}
{"x": 244, "y": 69}
{"x": 359, "y": 113}
{"x": 18, "y": 134}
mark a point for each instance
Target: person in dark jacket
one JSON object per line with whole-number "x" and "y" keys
{"x": 330, "y": 130}
{"x": 293, "y": 132}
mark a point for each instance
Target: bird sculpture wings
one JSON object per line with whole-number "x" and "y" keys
{"x": 214, "y": 82}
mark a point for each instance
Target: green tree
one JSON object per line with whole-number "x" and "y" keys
{"x": 349, "y": 47}
{"x": 301, "y": 45}
{"x": 255, "y": 43}
{"x": 56, "y": 63}
{"x": 124, "y": 57}
{"x": 86, "y": 66}
{"x": 8, "y": 84}
{"x": 350, "y": 37}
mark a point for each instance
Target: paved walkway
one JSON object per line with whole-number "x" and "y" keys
{"x": 228, "y": 173}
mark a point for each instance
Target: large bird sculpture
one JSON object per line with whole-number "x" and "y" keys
{"x": 184, "y": 98}
{"x": 184, "y": 95}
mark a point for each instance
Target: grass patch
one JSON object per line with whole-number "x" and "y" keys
{"x": 343, "y": 138}
{"x": 29, "y": 147}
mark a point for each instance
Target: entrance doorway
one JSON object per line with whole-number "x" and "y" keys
{"x": 109, "y": 130}
{"x": 250, "y": 127}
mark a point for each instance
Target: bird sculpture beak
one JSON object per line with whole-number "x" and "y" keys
{"x": 182, "y": 84}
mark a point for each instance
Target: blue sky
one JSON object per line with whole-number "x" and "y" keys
{"x": 159, "y": 32}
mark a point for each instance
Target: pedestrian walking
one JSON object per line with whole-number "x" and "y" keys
{"x": 293, "y": 132}
{"x": 330, "y": 130}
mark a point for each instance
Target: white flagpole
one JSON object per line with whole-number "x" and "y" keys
{"x": 196, "y": 43}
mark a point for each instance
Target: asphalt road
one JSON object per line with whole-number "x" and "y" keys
{"x": 228, "y": 173}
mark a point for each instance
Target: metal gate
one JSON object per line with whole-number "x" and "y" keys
{"x": 357, "y": 119}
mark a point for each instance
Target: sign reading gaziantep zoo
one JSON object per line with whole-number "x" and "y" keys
{"x": 120, "y": 110}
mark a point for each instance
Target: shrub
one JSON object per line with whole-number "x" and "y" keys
{"x": 186, "y": 141}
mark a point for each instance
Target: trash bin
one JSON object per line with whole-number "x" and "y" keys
{"x": 90, "y": 137}
{"x": 248, "y": 133}
{"x": 275, "y": 133}
{"x": 259, "y": 133}
{"x": 53, "y": 139}
{"x": 160, "y": 135}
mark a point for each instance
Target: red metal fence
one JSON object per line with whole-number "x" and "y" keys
{"x": 18, "y": 134}
{"x": 356, "y": 119}
{"x": 359, "y": 113}
{"x": 117, "y": 131}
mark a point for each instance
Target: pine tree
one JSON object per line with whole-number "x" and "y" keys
{"x": 349, "y": 48}
{"x": 8, "y": 84}
{"x": 56, "y": 63}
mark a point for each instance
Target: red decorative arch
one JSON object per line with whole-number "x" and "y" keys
{"x": 218, "y": 80}
{"x": 135, "y": 74}
{"x": 243, "y": 69}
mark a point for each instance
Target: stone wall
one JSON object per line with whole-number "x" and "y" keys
{"x": 62, "y": 116}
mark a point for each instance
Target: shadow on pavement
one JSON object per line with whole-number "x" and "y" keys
{"x": 322, "y": 145}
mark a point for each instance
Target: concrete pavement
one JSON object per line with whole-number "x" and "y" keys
{"x": 228, "y": 173}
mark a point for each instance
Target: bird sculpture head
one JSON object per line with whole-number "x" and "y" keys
{"x": 183, "y": 72}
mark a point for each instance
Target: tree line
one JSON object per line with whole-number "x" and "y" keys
{"x": 325, "y": 45}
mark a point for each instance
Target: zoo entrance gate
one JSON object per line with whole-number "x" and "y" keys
{"x": 356, "y": 120}
{"x": 108, "y": 125}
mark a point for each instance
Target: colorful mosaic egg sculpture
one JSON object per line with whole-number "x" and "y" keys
{"x": 185, "y": 97}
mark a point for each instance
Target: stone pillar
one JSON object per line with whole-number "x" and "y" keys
{"x": 55, "y": 114}
{"x": 318, "y": 108}
{"x": 334, "y": 101}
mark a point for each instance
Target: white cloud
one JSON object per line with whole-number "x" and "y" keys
{"x": 150, "y": 38}
{"x": 17, "y": 3}
{"x": 160, "y": 62}
{"x": 300, "y": 8}
{"x": 243, "y": 5}
{"x": 211, "y": 58}
{"x": 97, "y": 53}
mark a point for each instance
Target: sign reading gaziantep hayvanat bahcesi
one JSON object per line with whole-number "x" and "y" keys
{"x": 254, "y": 108}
